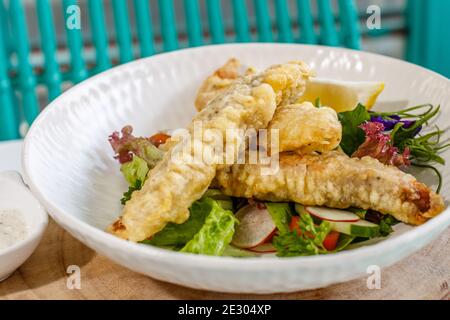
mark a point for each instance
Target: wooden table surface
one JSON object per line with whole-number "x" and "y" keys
{"x": 425, "y": 275}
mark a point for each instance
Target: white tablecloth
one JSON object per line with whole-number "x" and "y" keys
{"x": 10, "y": 155}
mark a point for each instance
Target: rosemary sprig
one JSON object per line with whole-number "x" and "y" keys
{"x": 405, "y": 113}
{"x": 424, "y": 148}
{"x": 403, "y": 133}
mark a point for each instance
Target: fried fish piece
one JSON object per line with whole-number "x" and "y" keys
{"x": 217, "y": 83}
{"x": 305, "y": 128}
{"x": 301, "y": 126}
{"x": 335, "y": 180}
{"x": 224, "y": 77}
{"x": 182, "y": 177}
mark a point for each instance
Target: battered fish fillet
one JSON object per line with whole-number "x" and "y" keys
{"x": 302, "y": 127}
{"x": 217, "y": 83}
{"x": 181, "y": 177}
{"x": 305, "y": 128}
{"x": 337, "y": 181}
{"x": 224, "y": 77}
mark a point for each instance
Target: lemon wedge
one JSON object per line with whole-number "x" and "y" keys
{"x": 342, "y": 95}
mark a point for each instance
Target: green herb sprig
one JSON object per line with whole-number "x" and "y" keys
{"x": 308, "y": 242}
{"x": 425, "y": 148}
{"x": 406, "y": 113}
{"x": 132, "y": 188}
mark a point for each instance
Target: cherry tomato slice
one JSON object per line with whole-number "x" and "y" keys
{"x": 159, "y": 138}
{"x": 330, "y": 242}
{"x": 294, "y": 224}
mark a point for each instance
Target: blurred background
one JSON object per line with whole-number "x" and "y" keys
{"x": 48, "y": 45}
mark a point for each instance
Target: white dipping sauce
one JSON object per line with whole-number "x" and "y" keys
{"x": 12, "y": 228}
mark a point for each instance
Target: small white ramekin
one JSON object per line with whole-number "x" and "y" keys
{"x": 14, "y": 195}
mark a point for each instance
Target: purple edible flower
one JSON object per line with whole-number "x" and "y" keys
{"x": 408, "y": 123}
{"x": 416, "y": 132}
{"x": 388, "y": 123}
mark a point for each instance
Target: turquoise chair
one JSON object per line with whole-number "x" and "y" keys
{"x": 301, "y": 21}
{"x": 429, "y": 34}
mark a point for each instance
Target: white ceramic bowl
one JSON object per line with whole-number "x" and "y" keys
{"x": 14, "y": 195}
{"x": 69, "y": 165}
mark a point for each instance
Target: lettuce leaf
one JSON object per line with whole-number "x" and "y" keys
{"x": 126, "y": 146}
{"x": 226, "y": 202}
{"x": 352, "y": 135}
{"x": 281, "y": 215}
{"x": 216, "y": 233}
{"x": 386, "y": 225}
{"x": 135, "y": 172}
{"x": 378, "y": 145}
{"x": 178, "y": 235}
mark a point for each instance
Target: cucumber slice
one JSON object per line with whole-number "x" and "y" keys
{"x": 330, "y": 214}
{"x": 344, "y": 241}
{"x": 361, "y": 228}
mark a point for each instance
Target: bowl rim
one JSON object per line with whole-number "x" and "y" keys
{"x": 36, "y": 229}
{"x": 216, "y": 262}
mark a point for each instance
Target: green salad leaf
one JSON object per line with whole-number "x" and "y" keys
{"x": 344, "y": 241}
{"x": 126, "y": 145}
{"x": 385, "y": 221}
{"x": 127, "y": 195}
{"x": 308, "y": 242}
{"x": 215, "y": 234}
{"x": 135, "y": 172}
{"x": 216, "y": 194}
{"x": 361, "y": 213}
{"x": 281, "y": 215}
{"x": 226, "y": 202}
{"x": 386, "y": 225}
{"x": 352, "y": 135}
{"x": 178, "y": 235}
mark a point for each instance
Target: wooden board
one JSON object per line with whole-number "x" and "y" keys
{"x": 425, "y": 275}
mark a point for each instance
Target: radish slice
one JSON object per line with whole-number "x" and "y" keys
{"x": 255, "y": 227}
{"x": 264, "y": 248}
{"x": 329, "y": 214}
